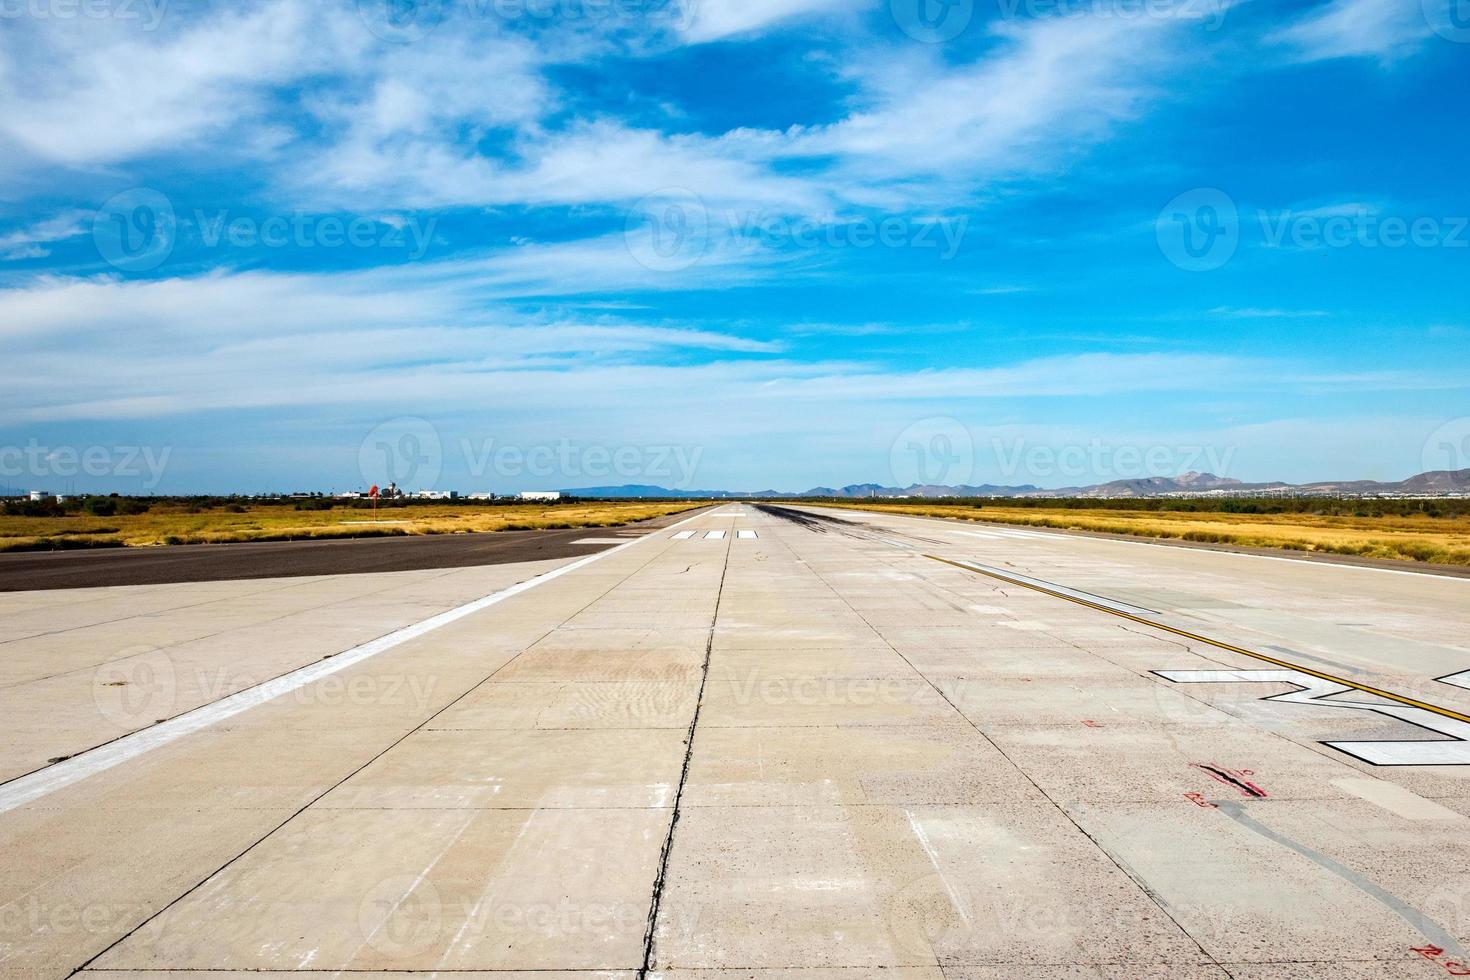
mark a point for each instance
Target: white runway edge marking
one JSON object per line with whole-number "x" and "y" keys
{"x": 715, "y": 536}
{"x": 42, "y": 782}
{"x": 746, "y": 535}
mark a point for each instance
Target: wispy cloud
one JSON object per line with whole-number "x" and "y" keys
{"x": 1264, "y": 313}
{"x": 1382, "y": 29}
{"x": 348, "y": 339}
{"x": 1046, "y": 89}
{"x": 714, "y": 20}
{"x": 87, "y": 91}
{"x": 32, "y": 241}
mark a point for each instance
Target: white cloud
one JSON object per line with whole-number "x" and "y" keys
{"x": 261, "y": 341}
{"x": 1382, "y": 29}
{"x": 1263, "y": 313}
{"x": 469, "y": 116}
{"x": 601, "y": 162}
{"x": 923, "y": 133}
{"x": 713, "y": 20}
{"x": 31, "y": 241}
{"x": 1047, "y": 90}
{"x": 82, "y": 92}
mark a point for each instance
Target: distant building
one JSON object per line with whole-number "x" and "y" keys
{"x": 435, "y": 495}
{"x": 38, "y": 495}
{"x": 481, "y": 496}
{"x": 541, "y": 495}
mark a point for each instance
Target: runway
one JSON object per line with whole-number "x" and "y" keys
{"x": 778, "y": 743}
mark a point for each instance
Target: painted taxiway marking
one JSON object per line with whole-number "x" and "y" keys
{"x": 25, "y": 789}
{"x": 1462, "y": 679}
{"x": 715, "y": 536}
{"x": 1311, "y": 690}
{"x": 1132, "y": 613}
{"x": 746, "y": 535}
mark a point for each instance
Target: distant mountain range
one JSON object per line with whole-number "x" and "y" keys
{"x": 1436, "y": 483}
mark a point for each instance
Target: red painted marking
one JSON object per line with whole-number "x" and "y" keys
{"x": 1198, "y": 799}
{"x": 1435, "y": 955}
{"x": 1091, "y": 724}
{"x": 1236, "y": 778}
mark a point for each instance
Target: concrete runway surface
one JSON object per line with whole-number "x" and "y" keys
{"x": 774, "y": 744}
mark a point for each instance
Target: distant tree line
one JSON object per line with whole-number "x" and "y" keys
{"x": 114, "y": 504}
{"x": 1317, "y": 506}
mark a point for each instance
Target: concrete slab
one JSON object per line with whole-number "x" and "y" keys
{"x": 593, "y": 704}
{"x": 416, "y": 890}
{"x": 1315, "y": 908}
{"x": 503, "y": 769}
{"x": 860, "y": 887}
{"x": 1121, "y": 763}
{"x": 811, "y": 766}
{"x": 797, "y": 701}
{"x": 742, "y": 665}
{"x": 1105, "y": 696}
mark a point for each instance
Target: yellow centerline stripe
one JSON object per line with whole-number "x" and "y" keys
{"x": 1389, "y": 695}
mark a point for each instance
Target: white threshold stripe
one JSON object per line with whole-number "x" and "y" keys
{"x": 684, "y": 535}
{"x": 26, "y": 789}
{"x": 715, "y": 536}
{"x": 746, "y": 535}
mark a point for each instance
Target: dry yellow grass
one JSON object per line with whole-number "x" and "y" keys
{"x": 178, "y": 523}
{"x": 1436, "y": 540}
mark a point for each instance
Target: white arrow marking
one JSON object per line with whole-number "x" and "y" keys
{"x": 1313, "y": 690}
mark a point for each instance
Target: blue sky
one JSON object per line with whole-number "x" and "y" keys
{"x": 521, "y": 244}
